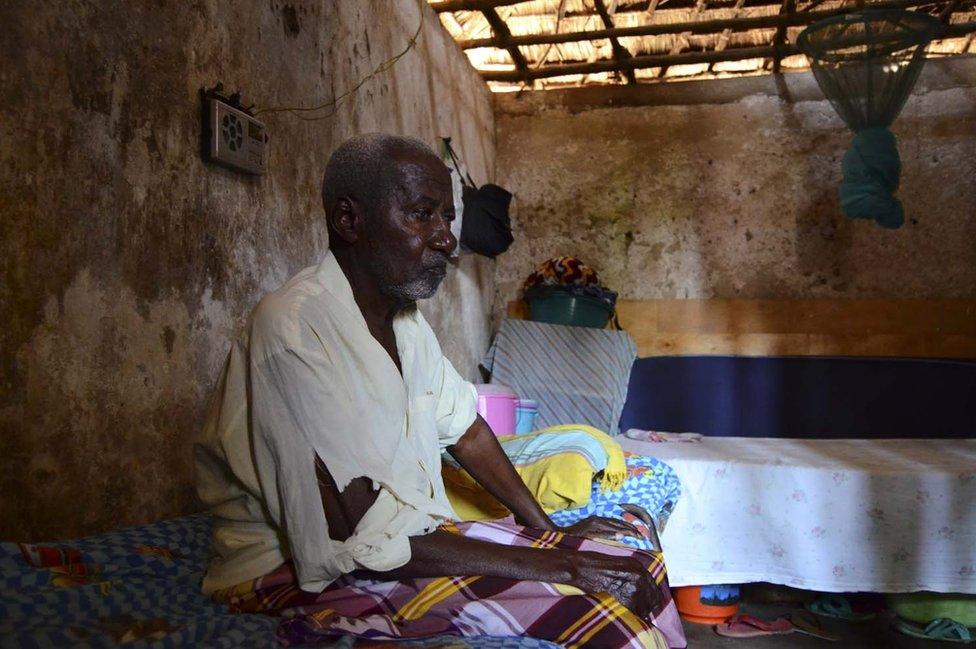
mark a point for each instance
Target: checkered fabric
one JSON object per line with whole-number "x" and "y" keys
{"x": 139, "y": 582}
{"x": 468, "y": 605}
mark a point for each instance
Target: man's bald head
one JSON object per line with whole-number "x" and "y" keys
{"x": 389, "y": 206}
{"x": 364, "y": 169}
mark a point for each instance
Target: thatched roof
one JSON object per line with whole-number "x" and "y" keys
{"x": 556, "y": 43}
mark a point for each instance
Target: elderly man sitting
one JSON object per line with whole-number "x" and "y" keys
{"x": 321, "y": 453}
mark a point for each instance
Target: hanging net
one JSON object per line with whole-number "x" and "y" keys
{"x": 866, "y": 63}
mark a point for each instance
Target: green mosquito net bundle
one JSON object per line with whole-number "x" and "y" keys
{"x": 866, "y": 63}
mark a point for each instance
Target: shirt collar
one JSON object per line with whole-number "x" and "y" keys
{"x": 335, "y": 282}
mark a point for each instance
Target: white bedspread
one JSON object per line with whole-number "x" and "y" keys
{"x": 830, "y": 515}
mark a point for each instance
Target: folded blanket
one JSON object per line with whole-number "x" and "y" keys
{"x": 557, "y": 464}
{"x": 577, "y": 374}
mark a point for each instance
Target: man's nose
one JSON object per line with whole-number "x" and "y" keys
{"x": 443, "y": 239}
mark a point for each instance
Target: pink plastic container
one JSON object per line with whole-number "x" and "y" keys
{"x": 496, "y": 404}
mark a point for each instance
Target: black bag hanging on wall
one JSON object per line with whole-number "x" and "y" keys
{"x": 486, "y": 227}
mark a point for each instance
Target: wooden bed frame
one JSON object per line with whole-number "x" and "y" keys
{"x": 820, "y": 327}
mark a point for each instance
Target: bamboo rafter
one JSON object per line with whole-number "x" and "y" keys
{"x": 712, "y": 37}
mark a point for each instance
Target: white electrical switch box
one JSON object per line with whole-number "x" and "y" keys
{"x": 235, "y": 139}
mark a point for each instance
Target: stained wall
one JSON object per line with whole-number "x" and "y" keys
{"x": 729, "y": 189}
{"x": 127, "y": 264}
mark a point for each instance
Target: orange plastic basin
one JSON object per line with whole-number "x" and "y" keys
{"x": 691, "y": 608}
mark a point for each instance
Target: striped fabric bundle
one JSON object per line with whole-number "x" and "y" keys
{"x": 578, "y": 375}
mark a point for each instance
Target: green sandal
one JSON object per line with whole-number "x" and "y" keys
{"x": 942, "y": 629}
{"x": 836, "y": 606}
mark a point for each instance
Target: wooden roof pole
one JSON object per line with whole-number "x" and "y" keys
{"x": 559, "y": 18}
{"x": 946, "y": 15}
{"x": 635, "y": 62}
{"x": 620, "y": 53}
{"x": 478, "y": 5}
{"x": 503, "y": 37}
{"x": 788, "y": 8}
{"x": 723, "y": 40}
{"x": 659, "y": 60}
{"x": 699, "y": 27}
{"x": 471, "y": 5}
{"x": 682, "y": 39}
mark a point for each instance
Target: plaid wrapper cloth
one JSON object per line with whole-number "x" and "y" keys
{"x": 466, "y": 606}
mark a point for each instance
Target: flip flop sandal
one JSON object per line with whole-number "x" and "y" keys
{"x": 941, "y": 629}
{"x": 808, "y": 624}
{"x": 747, "y": 626}
{"x": 836, "y": 606}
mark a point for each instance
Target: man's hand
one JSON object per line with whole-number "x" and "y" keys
{"x": 600, "y": 527}
{"x": 622, "y": 577}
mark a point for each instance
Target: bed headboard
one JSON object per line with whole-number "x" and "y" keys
{"x": 819, "y": 327}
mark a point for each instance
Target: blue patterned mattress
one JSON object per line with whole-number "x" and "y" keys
{"x": 140, "y": 586}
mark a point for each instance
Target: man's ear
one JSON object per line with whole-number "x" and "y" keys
{"x": 345, "y": 219}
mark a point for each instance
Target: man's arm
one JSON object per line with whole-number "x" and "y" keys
{"x": 344, "y": 510}
{"x": 442, "y": 554}
{"x": 479, "y": 452}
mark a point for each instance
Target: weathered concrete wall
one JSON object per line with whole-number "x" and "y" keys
{"x": 724, "y": 189}
{"x": 127, "y": 264}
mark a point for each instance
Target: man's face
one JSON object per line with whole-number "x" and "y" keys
{"x": 410, "y": 238}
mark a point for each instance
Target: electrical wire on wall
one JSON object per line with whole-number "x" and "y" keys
{"x": 333, "y": 106}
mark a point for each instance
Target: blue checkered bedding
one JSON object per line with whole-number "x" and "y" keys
{"x": 124, "y": 594}
{"x": 650, "y": 483}
{"x": 140, "y": 586}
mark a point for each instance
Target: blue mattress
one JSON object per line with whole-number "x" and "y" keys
{"x": 140, "y": 587}
{"x": 808, "y": 397}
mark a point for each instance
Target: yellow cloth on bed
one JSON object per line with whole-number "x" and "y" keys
{"x": 557, "y": 465}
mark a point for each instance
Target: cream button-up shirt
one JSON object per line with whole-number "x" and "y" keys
{"x": 306, "y": 379}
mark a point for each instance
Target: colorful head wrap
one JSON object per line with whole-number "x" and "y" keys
{"x": 562, "y": 271}
{"x": 567, "y": 274}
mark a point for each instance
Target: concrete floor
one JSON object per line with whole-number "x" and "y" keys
{"x": 873, "y": 634}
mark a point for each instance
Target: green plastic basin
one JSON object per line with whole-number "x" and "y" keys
{"x": 571, "y": 310}
{"x": 923, "y": 607}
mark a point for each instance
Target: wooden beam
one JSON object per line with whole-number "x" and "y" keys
{"x": 560, "y": 10}
{"x": 503, "y": 39}
{"x": 651, "y": 8}
{"x": 812, "y": 327}
{"x": 693, "y": 27}
{"x": 958, "y": 31}
{"x": 471, "y": 5}
{"x": 634, "y": 63}
{"x": 662, "y": 60}
{"x": 480, "y": 5}
{"x": 946, "y": 15}
{"x": 723, "y": 40}
{"x": 682, "y": 38}
{"x": 967, "y": 44}
{"x": 788, "y": 8}
{"x": 619, "y": 52}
